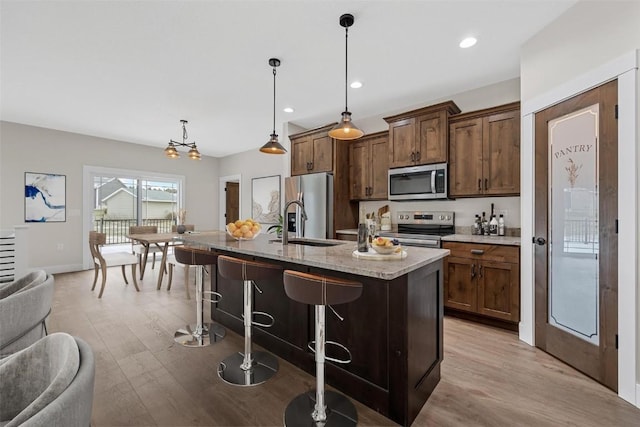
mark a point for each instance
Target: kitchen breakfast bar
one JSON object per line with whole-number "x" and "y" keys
{"x": 393, "y": 331}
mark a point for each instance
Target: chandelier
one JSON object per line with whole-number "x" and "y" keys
{"x": 171, "y": 151}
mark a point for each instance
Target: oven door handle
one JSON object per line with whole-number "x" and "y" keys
{"x": 433, "y": 182}
{"x": 420, "y": 242}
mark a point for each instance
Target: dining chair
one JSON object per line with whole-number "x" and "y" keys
{"x": 102, "y": 261}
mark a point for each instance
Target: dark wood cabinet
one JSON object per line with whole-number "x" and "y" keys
{"x": 420, "y": 136}
{"x": 483, "y": 279}
{"x": 368, "y": 167}
{"x": 484, "y": 152}
{"x": 312, "y": 151}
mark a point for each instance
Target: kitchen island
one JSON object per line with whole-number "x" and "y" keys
{"x": 393, "y": 331}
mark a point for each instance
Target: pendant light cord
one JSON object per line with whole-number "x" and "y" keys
{"x": 346, "y": 66}
{"x": 274, "y": 100}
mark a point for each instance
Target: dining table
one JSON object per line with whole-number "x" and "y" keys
{"x": 163, "y": 241}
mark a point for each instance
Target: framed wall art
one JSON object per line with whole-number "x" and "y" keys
{"x": 265, "y": 199}
{"x": 45, "y": 197}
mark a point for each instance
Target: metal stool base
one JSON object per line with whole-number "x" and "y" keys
{"x": 213, "y": 333}
{"x": 265, "y": 365}
{"x": 340, "y": 410}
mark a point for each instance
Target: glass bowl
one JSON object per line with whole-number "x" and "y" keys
{"x": 253, "y": 236}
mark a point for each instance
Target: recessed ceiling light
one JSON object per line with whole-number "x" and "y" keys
{"x": 288, "y": 110}
{"x": 356, "y": 85}
{"x": 468, "y": 42}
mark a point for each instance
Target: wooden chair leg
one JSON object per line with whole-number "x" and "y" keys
{"x": 133, "y": 273}
{"x": 104, "y": 280}
{"x": 95, "y": 275}
{"x": 124, "y": 274}
{"x": 140, "y": 264}
{"x": 170, "y": 276}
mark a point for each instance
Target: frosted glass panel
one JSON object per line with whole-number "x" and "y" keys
{"x": 573, "y": 225}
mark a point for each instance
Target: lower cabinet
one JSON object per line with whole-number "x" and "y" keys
{"x": 483, "y": 279}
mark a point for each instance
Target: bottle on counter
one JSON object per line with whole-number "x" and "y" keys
{"x": 476, "y": 227}
{"x": 493, "y": 226}
{"x": 501, "y": 230}
{"x": 485, "y": 224}
{"x": 363, "y": 237}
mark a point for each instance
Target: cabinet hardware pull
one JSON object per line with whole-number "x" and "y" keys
{"x": 418, "y": 156}
{"x": 477, "y": 251}
{"x": 311, "y": 165}
{"x": 473, "y": 271}
{"x": 413, "y": 156}
{"x": 480, "y": 184}
{"x": 480, "y": 271}
{"x": 486, "y": 184}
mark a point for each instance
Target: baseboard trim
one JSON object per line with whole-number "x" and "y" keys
{"x": 56, "y": 269}
{"x": 637, "y": 403}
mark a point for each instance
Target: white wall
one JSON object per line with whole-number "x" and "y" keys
{"x": 582, "y": 42}
{"x": 33, "y": 149}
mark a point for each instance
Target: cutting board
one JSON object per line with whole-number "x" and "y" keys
{"x": 373, "y": 255}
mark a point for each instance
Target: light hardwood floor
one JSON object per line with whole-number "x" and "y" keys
{"x": 489, "y": 377}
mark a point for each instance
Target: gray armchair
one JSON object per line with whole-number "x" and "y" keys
{"x": 49, "y": 383}
{"x": 24, "y": 306}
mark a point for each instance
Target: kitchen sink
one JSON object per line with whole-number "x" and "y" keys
{"x": 306, "y": 242}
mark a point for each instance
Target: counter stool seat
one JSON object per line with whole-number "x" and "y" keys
{"x": 320, "y": 407}
{"x": 199, "y": 334}
{"x": 248, "y": 368}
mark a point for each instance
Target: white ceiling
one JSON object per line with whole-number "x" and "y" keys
{"x": 130, "y": 70}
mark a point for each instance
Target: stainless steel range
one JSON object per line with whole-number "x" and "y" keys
{"x": 422, "y": 228}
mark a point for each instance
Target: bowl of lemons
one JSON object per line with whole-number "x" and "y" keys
{"x": 244, "y": 230}
{"x": 385, "y": 246}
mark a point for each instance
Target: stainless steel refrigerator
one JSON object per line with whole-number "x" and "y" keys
{"x": 315, "y": 191}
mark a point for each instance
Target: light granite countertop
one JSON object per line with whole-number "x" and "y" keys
{"x": 489, "y": 240}
{"x": 337, "y": 258}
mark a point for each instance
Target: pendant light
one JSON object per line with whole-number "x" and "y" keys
{"x": 171, "y": 151}
{"x": 273, "y": 146}
{"x": 346, "y": 130}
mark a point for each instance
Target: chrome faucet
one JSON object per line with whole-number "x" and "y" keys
{"x": 285, "y": 231}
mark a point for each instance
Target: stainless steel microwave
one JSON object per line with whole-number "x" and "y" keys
{"x": 418, "y": 182}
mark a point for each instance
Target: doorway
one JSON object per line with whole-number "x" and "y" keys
{"x": 230, "y": 199}
{"x": 576, "y": 222}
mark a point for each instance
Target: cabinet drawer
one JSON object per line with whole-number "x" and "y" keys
{"x": 484, "y": 252}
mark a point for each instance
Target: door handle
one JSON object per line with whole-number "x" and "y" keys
{"x": 540, "y": 241}
{"x": 417, "y": 156}
{"x": 311, "y": 163}
{"x": 473, "y": 271}
{"x": 477, "y": 251}
{"x": 486, "y": 184}
{"x": 480, "y": 271}
{"x": 480, "y": 184}
{"x": 413, "y": 156}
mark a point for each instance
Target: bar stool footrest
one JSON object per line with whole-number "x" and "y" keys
{"x": 340, "y": 410}
{"x": 187, "y": 336}
{"x": 311, "y": 347}
{"x": 261, "y": 313}
{"x": 264, "y": 366}
{"x": 214, "y": 301}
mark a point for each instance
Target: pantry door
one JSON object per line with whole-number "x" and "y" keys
{"x": 576, "y": 242}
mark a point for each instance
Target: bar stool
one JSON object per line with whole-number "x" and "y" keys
{"x": 250, "y": 368}
{"x": 201, "y": 334}
{"x": 326, "y": 408}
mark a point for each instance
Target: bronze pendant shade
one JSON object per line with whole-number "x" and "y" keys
{"x": 273, "y": 146}
{"x": 346, "y": 129}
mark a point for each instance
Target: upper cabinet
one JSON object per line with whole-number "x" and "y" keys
{"x": 420, "y": 136}
{"x": 484, "y": 152}
{"x": 312, "y": 151}
{"x": 368, "y": 166}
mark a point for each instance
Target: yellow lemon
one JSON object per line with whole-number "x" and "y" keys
{"x": 239, "y": 223}
{"x": 255, "y": 229}
{"x": 237, "y": 233}
{"x": 244, "y": 228}
{"x": 231, "y": 227}
{"x": 248, "y": 235}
